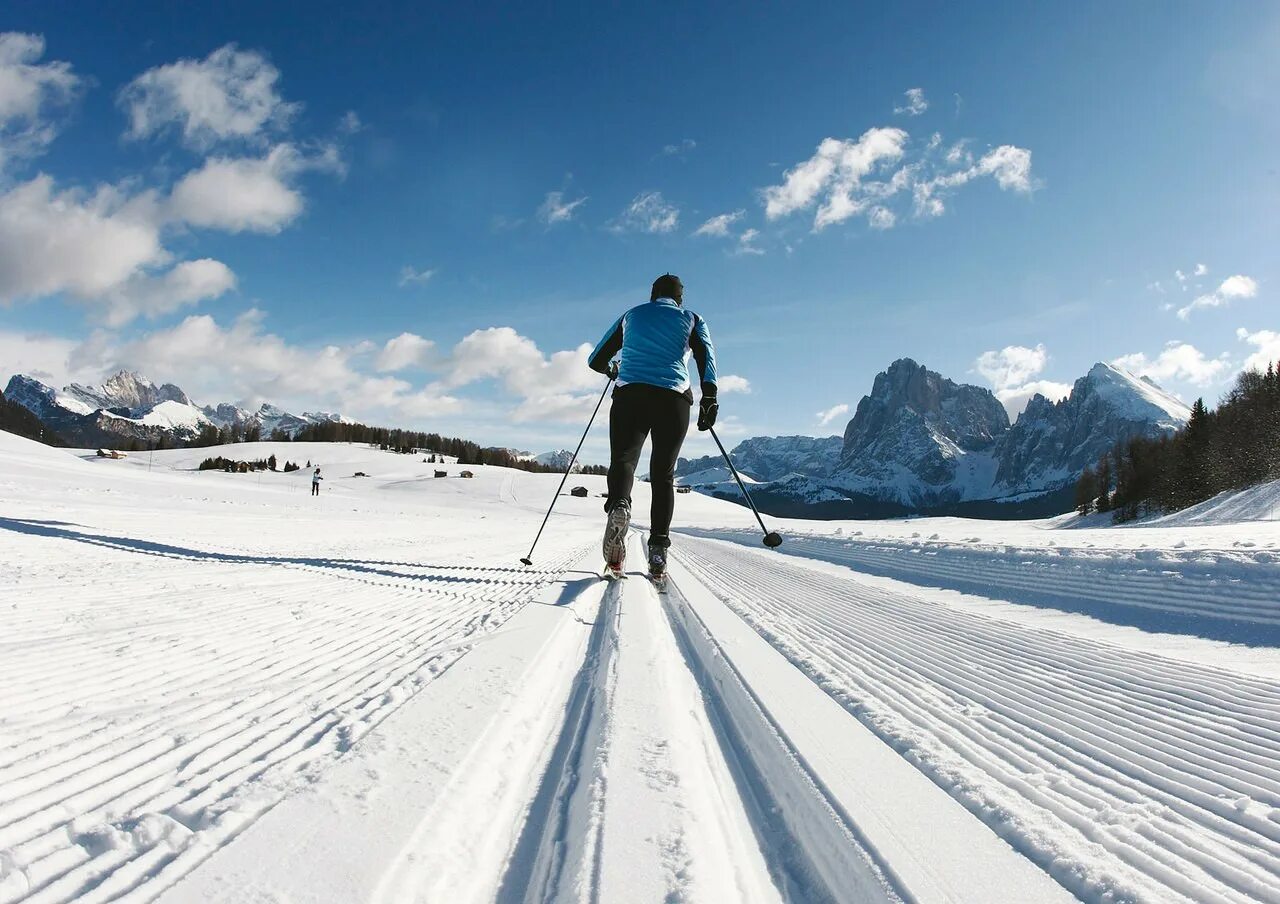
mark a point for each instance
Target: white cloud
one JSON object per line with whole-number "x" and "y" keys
{"x": 243, "y": 362}
{"x": 648, "y": 212}
{"x": 833, "y": 176}
{"x": 1177, "y": 361}
{"x": 50, "y": 359}
{"x": 555, "y": 209}
{"x": 1015, "y": 398}
{"x": 246, "y": 363}
{"x": 678, "y": 150}
{"x": 843, "y": 178}
{"x": 404, "y": 351}
{"x": 86, "y": 245}
{"x": 30, "y": 91}
{"x": 1267, "y": 348}
{"x": 1229, "y": 289}
{"x": 915, "y": 103}
{"x": 1010, "y": 166}
{"x": 1011, "y": 365}
{"x": 718, "y": 226}
{"x": 503, "y": 354}
{"x": 1010, "y": 371}
{"x": 106, "y": 248}
{"x": 835, "y": 411}
{"x": 881, "y": 218}
{"x": 746, "y": 242}
{"x": 247, "y": 194}
{"x": 186, "y": 284}
{"x": 730, "y": 383}
{"x": 1200, "y": 270}
{"x": 350, "y": 123}
{"x": 102, "y": 250}
{"x": 229, "y": 95}
{"x": 411, "y": 277}
{"x": 556, "y": 387}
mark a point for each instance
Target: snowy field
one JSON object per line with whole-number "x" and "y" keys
{"x": 216, "y": 687}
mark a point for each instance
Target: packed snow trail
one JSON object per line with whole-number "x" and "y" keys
{"x": 642, "y": 805}
{"x": 1125, "y": 775}
{"x": 199, "y": 687}
{"x": 217, "y": 688}
{"x": 1233, "y": 595}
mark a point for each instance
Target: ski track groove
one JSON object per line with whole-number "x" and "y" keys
{"x": 1244, "y": 586}
{"x": 1172, "y": 769}
{"x": 200, "y": 732}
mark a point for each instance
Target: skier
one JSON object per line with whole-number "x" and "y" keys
{"x": 315, "y": 482}
{"x": 653, "y": 397}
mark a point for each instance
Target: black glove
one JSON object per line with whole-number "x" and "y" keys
{"x": 612, "y": 372}
{"x": 707, "y": 410}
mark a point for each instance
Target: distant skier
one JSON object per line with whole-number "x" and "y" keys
{"x": 315, "y": 482}
{"x": 653, "y": 397}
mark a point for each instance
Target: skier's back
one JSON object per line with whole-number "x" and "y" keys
{"x": 654, "y": 397}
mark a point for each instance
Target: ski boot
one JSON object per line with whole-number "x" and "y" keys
{"x": 615, "y": 539}
{"x": 658, "y": 566}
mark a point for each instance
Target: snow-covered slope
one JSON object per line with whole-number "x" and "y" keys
{"x": 219, "y": 688}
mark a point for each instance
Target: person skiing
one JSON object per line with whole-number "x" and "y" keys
{"x": 315, "y": 482}
{"x": 653, "y": 398}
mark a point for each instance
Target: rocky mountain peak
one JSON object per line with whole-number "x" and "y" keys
{"x": 127, "y": 390}
{"x": 907, "y": 392}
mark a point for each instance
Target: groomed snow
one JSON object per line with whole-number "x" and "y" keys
{"x": 218, "y": 687}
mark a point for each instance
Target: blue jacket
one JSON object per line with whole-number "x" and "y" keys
{"x": 655, "y": 340}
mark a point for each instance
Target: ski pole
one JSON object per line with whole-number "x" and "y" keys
{"x": 528, "y": 560}
{"x": 771, "y": 538}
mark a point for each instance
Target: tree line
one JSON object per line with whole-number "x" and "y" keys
{"x": 1237, "y": 445}
{"x": 391, "y": 439}
{"x": 14, "y": 418}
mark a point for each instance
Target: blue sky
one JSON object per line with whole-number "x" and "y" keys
{"x": 258, "y": 203}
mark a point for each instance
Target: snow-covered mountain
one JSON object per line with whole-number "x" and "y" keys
{"x": 558, "y": 459}
{"x": 921, "y": 442}
{"x": 267, "y": 418}
{"x": 1053, "y": 442}
{"x": 127, "y": 390}
{"x": 921, "y": 439}
{"x": 129, "y": 406}
{"x": 765, "y": 458}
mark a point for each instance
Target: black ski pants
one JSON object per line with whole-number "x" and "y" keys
{"x": 639, "y": 411}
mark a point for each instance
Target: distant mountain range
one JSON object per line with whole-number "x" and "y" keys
{"x": 130, "y": 407}
{"x": 920, "y": 443}
{"x": 917, "y": 443}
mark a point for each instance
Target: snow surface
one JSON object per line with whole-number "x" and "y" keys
{"x": 220, "y": 688}
{"x": 170, "y": 414}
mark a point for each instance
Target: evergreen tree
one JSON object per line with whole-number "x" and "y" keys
{"x": 1086, "y": 491}
{"x": 1103, "y": 476}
